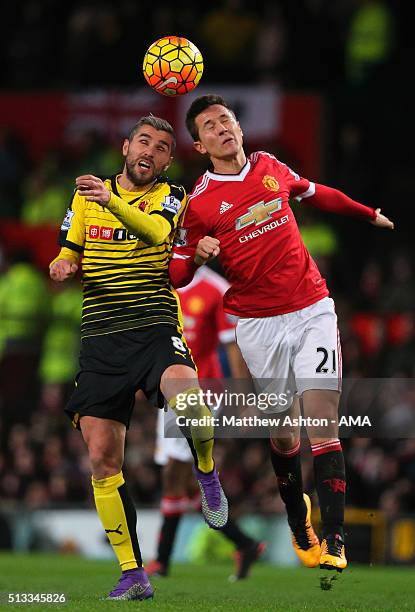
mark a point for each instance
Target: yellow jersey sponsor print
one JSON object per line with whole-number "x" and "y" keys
{"x": 125, "y": 281}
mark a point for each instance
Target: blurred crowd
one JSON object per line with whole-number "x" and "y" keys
{"x": 89, "y": 43}
{"x": 319, "y": 44}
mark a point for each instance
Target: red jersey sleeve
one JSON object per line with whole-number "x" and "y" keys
{"x": 325, "y": 198}
{"x": 191, "y": 230}
{"x": 182, "y": 266}
{"x": 298, "y": 186}
{"x": 335, "y": 201}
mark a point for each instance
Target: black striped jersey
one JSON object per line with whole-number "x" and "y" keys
{"x": 125, "y": 281}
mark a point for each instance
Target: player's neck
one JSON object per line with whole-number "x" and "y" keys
{"x": 127, "y": 184}
{"x": 232, "y": 165}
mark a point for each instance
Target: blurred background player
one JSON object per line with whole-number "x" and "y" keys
{"x": 206, "y": 326}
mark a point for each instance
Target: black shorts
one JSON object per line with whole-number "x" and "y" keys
{"x": 115, "y": 366}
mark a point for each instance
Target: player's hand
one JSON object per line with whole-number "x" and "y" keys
{"x": 382, "y": 221}
{"x": 62, "y": 270}
{"x": 207, "y": 248}
{"x": 93, "y": 189}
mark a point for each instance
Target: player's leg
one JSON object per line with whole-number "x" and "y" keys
{"x": 247, "y": 550}
{"x": 174, "y": 455}
{"x": 317, "y": 366}
{"x": 171, "y": 376}
{"x": 329, "y": 474}
{"x": 105, "y": 439}
{"x": 180, "y": 387}
{"x": 174, "y": 503}
{"x": 286, "y": 461}
{"x": 266, "y": 347}
{"x": 178, "y": 495}
{"x": 101, "y": 407}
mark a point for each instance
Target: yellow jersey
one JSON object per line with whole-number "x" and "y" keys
{"x": 125, "y": 281}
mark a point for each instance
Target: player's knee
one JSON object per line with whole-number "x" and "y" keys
{"x": 105, "y": 461}
{"x": 190, "y": 403}
{"x": 321, "y": 413}
{"x": 286, "y": 443}
{"x": 321, "y": 403}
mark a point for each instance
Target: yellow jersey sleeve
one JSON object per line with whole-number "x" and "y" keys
{"x": 68, "y": 254}
{"x": 152, "y": 228}
{"x": 72, "y": 231}
{"x": 171, "y": 204}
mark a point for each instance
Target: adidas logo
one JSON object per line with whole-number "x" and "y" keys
{"x": 224, "y": 207}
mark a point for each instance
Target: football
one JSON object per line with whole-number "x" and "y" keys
{"x": 173, "y": 66}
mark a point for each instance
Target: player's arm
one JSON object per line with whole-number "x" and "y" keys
{"x": 153, "y": 228}
{"x": 182, "y": 268}
{"x": 72, "y": 240}
{"x": 332, "y": 200}
{"x": 192, "y": 248}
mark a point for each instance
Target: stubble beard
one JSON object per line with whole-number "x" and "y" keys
{"x": 134, "y": 177}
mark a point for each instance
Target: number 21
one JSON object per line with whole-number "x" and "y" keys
{"x": 321, "y": 368}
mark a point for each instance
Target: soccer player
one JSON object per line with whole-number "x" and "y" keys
{"x": 287, "y": 327}
{"x": 206, "y": 326}
{"x": 131, "y": 334}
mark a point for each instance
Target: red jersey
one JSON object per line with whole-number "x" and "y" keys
{"x": 262, "y": 253}
{"x": 205, "y": 322}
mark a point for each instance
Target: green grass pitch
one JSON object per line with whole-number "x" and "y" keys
{"x": 193, "y": 588}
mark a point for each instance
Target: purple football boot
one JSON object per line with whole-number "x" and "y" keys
{"x": 214, "y": 502}
{"x": 133, "y": 584}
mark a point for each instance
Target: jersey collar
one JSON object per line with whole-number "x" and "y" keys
{"x": 214, "y": 176}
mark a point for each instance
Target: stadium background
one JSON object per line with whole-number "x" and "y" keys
{"x": 317, "y": 82}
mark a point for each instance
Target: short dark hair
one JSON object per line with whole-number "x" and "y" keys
{"x": 158, "y": 124}
{"x": 198, "y": 106}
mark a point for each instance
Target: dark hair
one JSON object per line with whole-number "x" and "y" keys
{"x": 158, "y": 124}
{"x": 198, "y": 106}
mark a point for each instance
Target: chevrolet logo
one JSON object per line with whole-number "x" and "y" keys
{"x": 259, "y": 213}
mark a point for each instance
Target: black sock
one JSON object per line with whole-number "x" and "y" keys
{"x": 185, "y": 431}
{"x": 166, "y": 539}
{"x": 329, "y": 473}
{"x": 287, "y": 468}
{"x": 233, "y": 533}
{"x": 131, "y": 516}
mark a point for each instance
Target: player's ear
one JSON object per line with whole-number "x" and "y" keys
{"x": 199, "y": 147}
{"x": 167, "y": 166}
{"x": 125, "y": 147}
